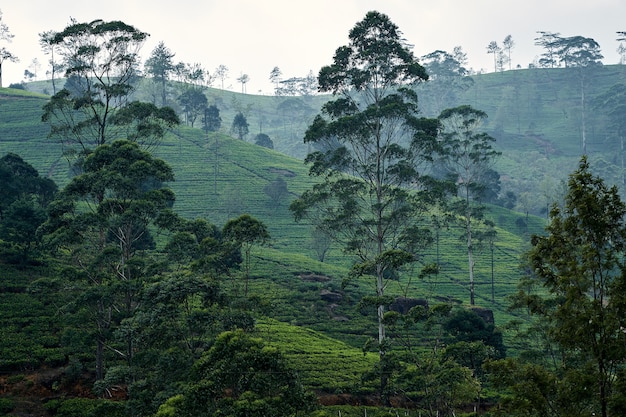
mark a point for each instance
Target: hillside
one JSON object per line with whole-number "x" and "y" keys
{"x": 536, "y": 116}
{"x": 309, "y": 313}
{"x": 218, "y": 177}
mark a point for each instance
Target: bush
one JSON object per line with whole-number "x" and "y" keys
{"x": 83, "y": 407}
{"x": 6, "y": 406}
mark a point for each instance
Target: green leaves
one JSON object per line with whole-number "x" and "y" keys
{"x": 580, "y": 264}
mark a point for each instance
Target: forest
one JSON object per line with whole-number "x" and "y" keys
{"x": 399, "y": 237}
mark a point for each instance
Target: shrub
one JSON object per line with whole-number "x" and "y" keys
{"x": 6, "y": 405}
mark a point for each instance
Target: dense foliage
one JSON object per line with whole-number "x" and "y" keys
{"x": 108, "y": 291}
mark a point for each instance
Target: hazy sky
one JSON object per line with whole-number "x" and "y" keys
{"x": 253, "y": 36}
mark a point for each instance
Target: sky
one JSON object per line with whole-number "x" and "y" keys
{"x": 254, "y": 36}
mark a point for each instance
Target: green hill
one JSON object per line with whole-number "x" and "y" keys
{"x": 316, "y": 320}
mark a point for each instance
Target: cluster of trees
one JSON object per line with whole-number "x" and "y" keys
{"x": 149, "y": 310}
{"x": 164, "y": 329}
{"x": 572, "y": 51}
{"x": 293, "y": 86}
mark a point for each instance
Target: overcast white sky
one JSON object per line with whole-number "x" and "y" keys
{"x": 253, "y": 36}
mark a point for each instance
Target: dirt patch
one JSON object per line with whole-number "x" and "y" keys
{"x": 315, "y": 278}
{"x": 284, "y": 172}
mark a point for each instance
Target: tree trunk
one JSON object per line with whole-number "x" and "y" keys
{"x": 470, "y": 260}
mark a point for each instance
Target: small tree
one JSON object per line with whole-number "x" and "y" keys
{"x": 240, "y": 126}
{"x": 264, "y": 140}
{"x": 24, "y": 196}
{"x": 211, "y": 122}
{"x": 246, "y": 232}
{"x": 194, "y": 103}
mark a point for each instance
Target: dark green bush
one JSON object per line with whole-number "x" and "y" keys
{"x": 84, "y": 407}
{"x": 6, "y": 406}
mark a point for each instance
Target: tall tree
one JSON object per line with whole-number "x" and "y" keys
{"x": 275, "y": 77}
{"x": 621, "y": 49}
{"x": 102, "y": 220}
{"x": 494, "y": 49}
{"x": 467, "y": 155}
{"x": 101, "y": 58}
{"x": 507, "y": 45}
{"x": 243, "y": 79}
{"x": 582, "y": 309}
{"x": 5, "y": 54}
{"x": 372, "y": 190}
{"x": 46, "y": 41}
{"x": 584, "y": 55}
{"x": 159, "y": 66}
{"x": 221, "y": 72}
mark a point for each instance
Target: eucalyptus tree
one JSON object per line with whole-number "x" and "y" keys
{"x": 221, "y": 72}
{"x": 467, "y": 156}
{"x": 621, "y": 49}
{"x": 102, "y": 220}
{"x": 549, "y": 42}
{"x": 494, "y": 48}
{"x": 372, "y": 149}
{"x": 507, "y": 45}
{"x": 46, "y": 41}
{"x": 243, "y": 79}
{"x": 101, "y": 60}
{"x": 275, "y": 77}
{"x": 5, "y": 54}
